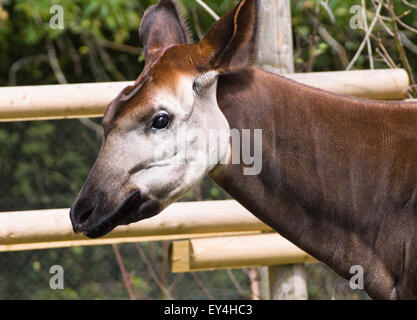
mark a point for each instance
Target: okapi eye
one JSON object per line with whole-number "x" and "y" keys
{"x": 161, "y": 121}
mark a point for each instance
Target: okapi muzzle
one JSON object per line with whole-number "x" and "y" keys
{"x": 107, "y": 200}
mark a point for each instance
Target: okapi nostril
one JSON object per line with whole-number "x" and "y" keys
{"x": 83, "y": 217}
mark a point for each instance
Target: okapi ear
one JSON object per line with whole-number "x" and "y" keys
{"x": 231, "y": 43}
{"x": 162, "y": 26}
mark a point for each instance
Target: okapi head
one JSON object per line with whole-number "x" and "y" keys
{"x": 157, "y": 132}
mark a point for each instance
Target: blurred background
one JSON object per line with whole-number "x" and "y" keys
{"x": 43, "y": 164}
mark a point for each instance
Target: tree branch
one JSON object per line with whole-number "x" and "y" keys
{"x": 208, "y": 9}
{"x": 125, "y": 276}
{"x": 413, "y": 6}
{"x": 400, "y": 47}
{"x": 235, "y": 283}
{"x": 202, "y": 287}
{"x": 120, "y": 47}
{"x": 368, "y": 41}
{"x": 152, "y": 271}
{"x": 16, "y": 66}
{"x": 365, "y": 40}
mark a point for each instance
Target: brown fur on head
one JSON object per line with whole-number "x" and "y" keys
{"x": 230, "y": 45}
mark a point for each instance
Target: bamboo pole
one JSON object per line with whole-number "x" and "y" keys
{"x": 234, "y": 252}
{"x": 57, "y": 101}
{"x": 383, "y": 84}
{"x": 90, "y": 100}
{"x": 178, "y": 221}
{"x": 113, "y": 240}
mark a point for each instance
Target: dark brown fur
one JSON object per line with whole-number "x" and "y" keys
{"x": 339, "y": 175}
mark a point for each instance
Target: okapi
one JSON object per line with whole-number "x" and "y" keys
{"x": 339, "y": 174}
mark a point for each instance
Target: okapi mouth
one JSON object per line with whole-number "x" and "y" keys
{"x": 94, "y": 224}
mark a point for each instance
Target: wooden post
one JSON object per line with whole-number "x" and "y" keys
{"x": 276, "y": 55}
{"x": 275, "y": 37}
{"x": 288, "y": 282}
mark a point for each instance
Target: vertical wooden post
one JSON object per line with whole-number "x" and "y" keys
{"x": 288, "y": 282}
{"x": 275, "y": 37}
{"x": 264, "y": 291}
{"x": 276, "y": 55}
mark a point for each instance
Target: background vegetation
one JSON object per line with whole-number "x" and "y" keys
{"x": 44, "y": 163}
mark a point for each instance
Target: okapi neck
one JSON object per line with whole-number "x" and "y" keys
{"x": 337, "y": 172}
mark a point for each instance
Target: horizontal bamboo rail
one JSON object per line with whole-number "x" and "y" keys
{"x": 383, "y": 84}
{"x": 110, "y": 240}
{"x": 44, "y": 229}
{"x": 90, "y": 100}
{"x": 67, "y": 101}
{"x": 234, "y": 252}
{"x": 219, "y": 235}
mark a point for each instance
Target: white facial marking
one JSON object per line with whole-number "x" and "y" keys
{"x": 171, "y": 161}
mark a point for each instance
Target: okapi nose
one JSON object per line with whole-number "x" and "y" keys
{"x": 79, "y": 216}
